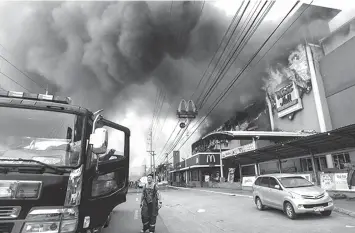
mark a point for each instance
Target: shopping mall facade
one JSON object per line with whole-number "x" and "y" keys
{"x": 309, "y": 112}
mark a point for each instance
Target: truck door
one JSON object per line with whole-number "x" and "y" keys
{"x": 107, "y": 177}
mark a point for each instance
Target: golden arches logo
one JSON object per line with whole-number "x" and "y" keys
{"x": 188, "y": 106}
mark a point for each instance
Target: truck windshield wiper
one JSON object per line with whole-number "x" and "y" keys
{"x": 56, "y": 169}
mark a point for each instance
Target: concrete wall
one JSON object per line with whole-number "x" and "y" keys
{"x": 338, "y": 72}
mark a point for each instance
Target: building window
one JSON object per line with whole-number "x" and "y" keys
{"x": 340, "y": 159}
{"x": 306, "y": 165}
{"x": 195, "y": 175}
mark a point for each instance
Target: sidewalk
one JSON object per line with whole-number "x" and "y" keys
{"x": 343, "y": 206}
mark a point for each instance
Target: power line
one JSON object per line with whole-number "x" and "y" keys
{"x": 166, "y": 116}
{"x": 158, "y": 114}
{"x": 177, "y": 142}
{"x": 223, "y": 94}
{"x": 226, "y": 66}
{"x": 157, "y": 98}
{"x": 201, "y": 79}
{"x": 219, "y": 46}
{"x": 177, "y": 124}
{"x": 14, "y": 81}
{"x": 21, "y": 72}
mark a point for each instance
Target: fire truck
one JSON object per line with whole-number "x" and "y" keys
{"x": 63, "y": 169}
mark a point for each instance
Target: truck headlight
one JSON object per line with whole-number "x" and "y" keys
{"x": 52, "y": 220}
{"x": 75, "y": 181}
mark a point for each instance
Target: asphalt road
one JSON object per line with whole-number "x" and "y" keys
{"x": 195, "y": 211}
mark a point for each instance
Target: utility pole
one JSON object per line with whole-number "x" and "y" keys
{"x": 152, "y": 154}
{"x": 166, "y": 167}
{"x": 220, "y": 158}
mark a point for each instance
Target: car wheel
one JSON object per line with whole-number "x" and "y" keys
{"x": 259, "y": 204}
{"x": 289, "y": 210}
{"x": 326, "y": 213}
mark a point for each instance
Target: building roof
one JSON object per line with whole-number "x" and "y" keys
{"x": 341, "y": 139}
{"x": 262, "y": 135}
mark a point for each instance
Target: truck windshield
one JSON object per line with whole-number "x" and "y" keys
{"x": 50, "y": 137}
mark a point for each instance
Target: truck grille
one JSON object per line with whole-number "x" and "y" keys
{"x": 6, "y": 227}
{"x": 9, "y": 212}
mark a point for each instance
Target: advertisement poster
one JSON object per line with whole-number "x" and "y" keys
{"x": 207, "y": 178}
{"x": 248, "y": 181}
{"x": 231, "y": 175}
{"x": 341, "y": 182}
{"x": 327, "y": 181}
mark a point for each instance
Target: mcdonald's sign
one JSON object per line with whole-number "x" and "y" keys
{"x": 210, "y": 158}
{"x": 187, "y": 109}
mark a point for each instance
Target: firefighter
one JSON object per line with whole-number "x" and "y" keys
{"x": 150, "y": 205}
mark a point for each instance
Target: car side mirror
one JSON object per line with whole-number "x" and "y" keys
{"x": 99, "y": 141}
{"x": 277, "y": 186}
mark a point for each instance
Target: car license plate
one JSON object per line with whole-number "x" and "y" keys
{"x": 318, "y": 209}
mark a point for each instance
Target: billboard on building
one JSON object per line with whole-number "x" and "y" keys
{"x": 286, "y": 84}
{"x": 289, "y": 92}
{"x": 287, "y": 98}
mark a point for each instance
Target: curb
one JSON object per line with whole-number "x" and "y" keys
{"x": 208, "y": 191}
{"x": 344, "y": 211}
{"x": 336, "y": 209}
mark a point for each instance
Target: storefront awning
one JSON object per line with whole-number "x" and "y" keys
{"x": 262, "y": 135}
{"x": 193, "y": 167}
{"x": 341, "y": 139}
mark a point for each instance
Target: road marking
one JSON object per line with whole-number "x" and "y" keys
{"x": 201, "y": 211}
{"x": 209, "y": 191}
{"x": 349, "y": 226}
{"x": 137, "y": 199}
{"x": 135, "y": 214}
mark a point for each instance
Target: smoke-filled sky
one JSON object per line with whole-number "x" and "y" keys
{"x": 117, "y": 55}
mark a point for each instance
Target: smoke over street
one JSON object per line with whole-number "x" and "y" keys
{"x": 116, "y": 55}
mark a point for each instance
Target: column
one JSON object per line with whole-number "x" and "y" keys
{"x": 319, "y": 97}
{"x": 314, "y": 169}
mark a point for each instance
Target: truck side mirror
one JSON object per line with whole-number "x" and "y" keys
{"x": 99, "y": 141}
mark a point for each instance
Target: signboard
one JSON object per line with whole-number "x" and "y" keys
{"x": 207, "y": 178}
{"x": 288, "y": 99}
{"x": 238, "y": 150}
{"x": 335, "y": 181}
{"x": 341, "y": 182}
{"x": 248, "y": 181}
{"x": 209, "y": 159}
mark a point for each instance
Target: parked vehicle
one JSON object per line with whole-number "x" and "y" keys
{"x": 142, "y": 181}
{"x": 56, "y": 170}
{"x": 292, "y": 194}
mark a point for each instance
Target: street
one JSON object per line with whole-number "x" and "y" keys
{"x": 197, "y": 211}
